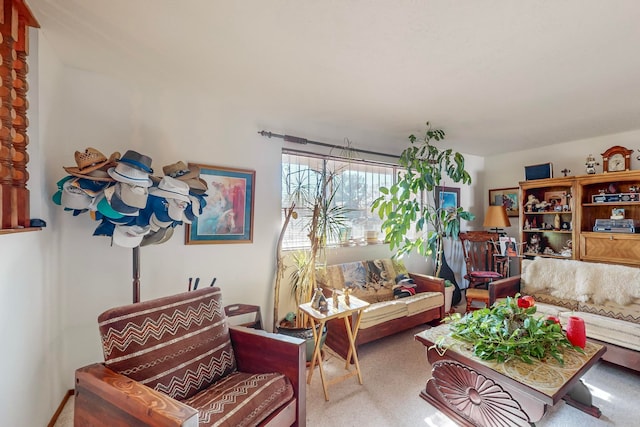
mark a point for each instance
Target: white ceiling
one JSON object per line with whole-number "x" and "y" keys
{"x": 495, "y": 75}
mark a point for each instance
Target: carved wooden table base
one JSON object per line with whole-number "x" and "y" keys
{"x": 475, "y": 392}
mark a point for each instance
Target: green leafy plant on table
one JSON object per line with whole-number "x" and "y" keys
{"x": 510, "y": 330}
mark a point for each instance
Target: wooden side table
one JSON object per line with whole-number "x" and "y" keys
{"x": 317, "y": 318}
{"x": 241, "y": 309}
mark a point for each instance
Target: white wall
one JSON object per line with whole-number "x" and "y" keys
{"x": 31, "y": 329}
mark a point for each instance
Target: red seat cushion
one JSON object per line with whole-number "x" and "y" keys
{"x": 241, "y": 399}
{"x": 485, "y": 275}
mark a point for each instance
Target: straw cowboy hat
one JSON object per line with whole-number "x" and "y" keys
{"x": 92, "y": 164}
{"x": 189, "y": 174}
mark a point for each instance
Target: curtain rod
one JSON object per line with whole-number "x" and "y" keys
{"x": 303, "y": 141}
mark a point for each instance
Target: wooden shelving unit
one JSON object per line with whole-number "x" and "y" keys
{"x": 578, "y": 217}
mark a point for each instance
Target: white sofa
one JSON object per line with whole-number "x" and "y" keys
{"x": 606, "y": 296}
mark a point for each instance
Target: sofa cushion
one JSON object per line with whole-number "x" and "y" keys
{"x": 177, "y": 345}
{"x": 628, "y": 313}
{"x": 423, "y": 301}
{"x": 381, "y": 312}
{"x": 618, "y": 332}
{"x": 371, "y": 281}
{"x": 550, "y": 276}
{"x": 581, "y": 281}
{"x": 241, "y": 399}
{"x": 598, "y": 283}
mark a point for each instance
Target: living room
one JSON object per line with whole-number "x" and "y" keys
{"x": 554, "y": 87}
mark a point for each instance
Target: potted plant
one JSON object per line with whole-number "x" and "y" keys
{"x": 313, "y": 194}
{"x": 402, "y": 206}
{"x": 448, "y": 295}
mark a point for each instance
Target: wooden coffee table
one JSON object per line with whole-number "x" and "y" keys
{"x": 476, "y": 392}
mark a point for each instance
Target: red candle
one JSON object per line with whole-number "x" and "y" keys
{"x": 576, "y": 333}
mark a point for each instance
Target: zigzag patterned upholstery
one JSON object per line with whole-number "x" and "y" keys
{"x": 180, "y": 346}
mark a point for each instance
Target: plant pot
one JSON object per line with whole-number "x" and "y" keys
{"x": 448, "y": 298}
{"x": 305, "y": 334}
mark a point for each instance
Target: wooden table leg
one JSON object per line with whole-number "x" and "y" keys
{"x": 317, "y": 356}
{"x": 352, "y": 343}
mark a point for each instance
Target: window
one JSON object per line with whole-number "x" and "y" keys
{"x": 356, "y": 182}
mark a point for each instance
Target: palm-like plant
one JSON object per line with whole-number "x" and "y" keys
{"x": 401, "y": 206}
{"x": 314, "y": 192}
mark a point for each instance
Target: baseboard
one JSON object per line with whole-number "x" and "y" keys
{"x": 65, "y": 399}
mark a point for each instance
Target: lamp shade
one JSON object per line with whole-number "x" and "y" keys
{"x": 496, "y": 217}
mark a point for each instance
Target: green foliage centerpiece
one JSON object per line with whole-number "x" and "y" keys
{"x": 509, "y": 330}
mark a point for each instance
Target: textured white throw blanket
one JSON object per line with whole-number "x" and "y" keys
{"x": 582, "y": 281}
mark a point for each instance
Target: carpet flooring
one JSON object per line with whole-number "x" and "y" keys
{"x": 394, "y": 372}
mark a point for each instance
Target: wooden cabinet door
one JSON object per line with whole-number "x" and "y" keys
{"x": 614, "y": 248}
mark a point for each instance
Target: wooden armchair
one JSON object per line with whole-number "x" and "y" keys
{"x": 174, "y": 361}
{"x": 479, "y": 248}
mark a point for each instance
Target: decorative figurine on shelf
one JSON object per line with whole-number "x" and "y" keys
{"x": 556, "y": 222}
{"x": 617, "y": 213}
{"x": 591, "y": 164}
{"x": 565, "y": 171}
{"x": 532, "y": 201}
{"x": 533, "y": 245}
{"x": 567, "y": 250}
{"x": 334, "y": 297}
{"x": 319, "y": 302}
{"x": 527, "y": 224}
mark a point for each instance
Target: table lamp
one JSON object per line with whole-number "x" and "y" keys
{"x": 496, "y": 218}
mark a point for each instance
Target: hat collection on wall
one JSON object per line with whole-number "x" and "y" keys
{"x": 133, "y": 207}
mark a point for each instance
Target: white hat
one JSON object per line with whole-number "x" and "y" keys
{"x": 129, "y": 236}
{"x": 73, "y": 197}
{"x": 124, "y": 172}
{"x": 117, "y": 204}
{"x": 132, "y": 195}
{"x": 171, "y": 188}
{"x": 156, "y": 224}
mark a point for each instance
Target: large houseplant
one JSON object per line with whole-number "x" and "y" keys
{"x": 402, "y": 207}
{"x": 312, "y": 193}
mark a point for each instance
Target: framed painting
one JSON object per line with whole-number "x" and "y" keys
{"x": 447, "y": 197}
{"x": 227, "y": 216}
{"x": 507, "y": 197}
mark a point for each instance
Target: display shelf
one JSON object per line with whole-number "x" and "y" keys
{"x": 580, "y": 215}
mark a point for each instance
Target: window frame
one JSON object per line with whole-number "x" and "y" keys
{"x": 361, "y": 218}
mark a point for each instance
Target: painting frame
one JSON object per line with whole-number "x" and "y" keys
{"x": 447, "y": 197}
{"x": 507, "y": 197}
{"x": 230, "y": 195}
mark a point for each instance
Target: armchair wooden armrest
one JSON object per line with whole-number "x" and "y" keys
{"x": 258, "y": 351}
{"x": 426, "y": 283}
{"x": 105, "y": 397}
{"x": 503, "y": 288}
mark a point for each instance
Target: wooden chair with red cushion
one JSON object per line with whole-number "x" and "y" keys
{"x": 174, "y": 361}
{"x": 479, "y": 248}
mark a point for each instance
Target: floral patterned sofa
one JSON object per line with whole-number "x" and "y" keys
{"x": 373, "y": 281}
{"x": 606, "y": 296}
